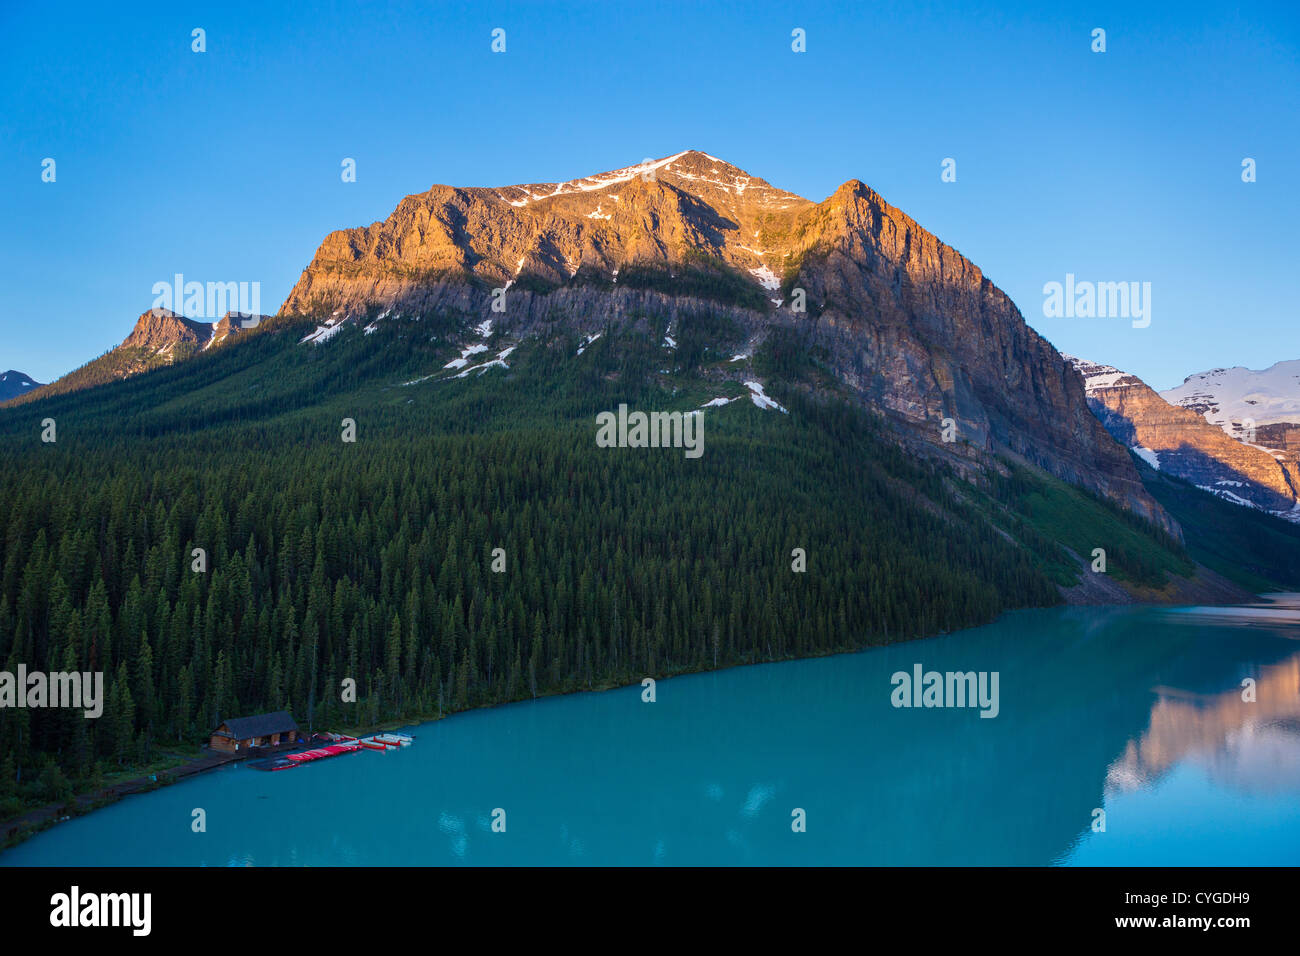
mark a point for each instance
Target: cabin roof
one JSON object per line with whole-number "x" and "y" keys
{"x": 261, "y": 725}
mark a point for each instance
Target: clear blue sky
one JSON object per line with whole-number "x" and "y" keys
{"x": 225, "y": 165}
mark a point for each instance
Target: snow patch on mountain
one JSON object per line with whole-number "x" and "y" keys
{"x": 1096, "y": 375}
{"x": 499, "y": 361}
{"x": 373, "y": 326}
{"x": 464, "y": 356}
{"x": 689, "y": 166}
{"x": 1227, "y": 397}
{"x": 526, "y": 194}
{"x": 324, "y": 332}
{"x": 1228, "y": 496}
{"x": 766, "y": 278}
{"x": 760, "y": 397}
{"x": 1147, "y": 455}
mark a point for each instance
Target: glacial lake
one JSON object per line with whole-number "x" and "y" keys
{"x": 1137, "y": 712}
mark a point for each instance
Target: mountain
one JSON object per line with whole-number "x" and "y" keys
{"x": 393, "y": 483}
{"x": 160, "y": 337}
{"x": 898, "y": 321}
{"x": 1180, "y": 441}
{"x": 162, "y": 332}
{"x": 1258, "y": 407}
{"x": 13, "y": 384}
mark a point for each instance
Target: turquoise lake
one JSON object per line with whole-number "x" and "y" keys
{"x": 1138, "y": 712}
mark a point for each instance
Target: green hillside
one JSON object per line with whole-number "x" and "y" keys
{"x": 371, "y": 560}
{"x": 1254, "y": 549}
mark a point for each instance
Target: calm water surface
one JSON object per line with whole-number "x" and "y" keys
{"x": 1135, "y": 711}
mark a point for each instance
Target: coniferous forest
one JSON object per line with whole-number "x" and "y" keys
{"x": 323, "y": 560}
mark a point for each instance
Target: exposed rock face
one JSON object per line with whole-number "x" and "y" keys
{"x": 231, "y": 325}
{"x": 161, "y": 331}
{"x": 160, "y": 337}
{"x": 662, "y": 212}
{"x": 911, "y": 326}
{"x": 1259, "y": 408}
{"x": 918, "y": 327}
{"x": 1181, "y": 442}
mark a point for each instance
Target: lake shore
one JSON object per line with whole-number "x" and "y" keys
{"x": 21, "y": 827}
{"x": 711, "y": 772}
{"x": 16, "y": 829}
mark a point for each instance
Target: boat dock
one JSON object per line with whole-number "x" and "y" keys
{"x": 337, "y": 746}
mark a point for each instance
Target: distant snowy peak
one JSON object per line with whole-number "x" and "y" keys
{"x": 13, "y": 384}
{"x": 17, "y": 379}
{"x": 1228, "y": 397}
{"x": 1097, "y": 376}
{"x": 1175, "y": 438}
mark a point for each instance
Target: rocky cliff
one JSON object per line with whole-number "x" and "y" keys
{"x": 1259, "y": 407}
{"x": 1179, "y": 441}
{"x": 161, "y": 330}
{"x": 160, "y": 337}
{"x": 909, "y": 325}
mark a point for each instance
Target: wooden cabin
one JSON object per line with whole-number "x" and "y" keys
{"x": 240, "y": 734}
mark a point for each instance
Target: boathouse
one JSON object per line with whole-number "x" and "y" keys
{"x": 240, "y": 734}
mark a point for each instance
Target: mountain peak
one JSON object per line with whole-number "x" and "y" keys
{"x": 1172, "y": 437}
{"x": 163, "y": 329}
{"x": 694, "y": 171}
{"x": 880, "y": 296}
{"x": 1097, "y": 376}
{"x": 14, "y": 383}
{"x": 160, "y": 337}
{"x": 1229, "y": 397}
